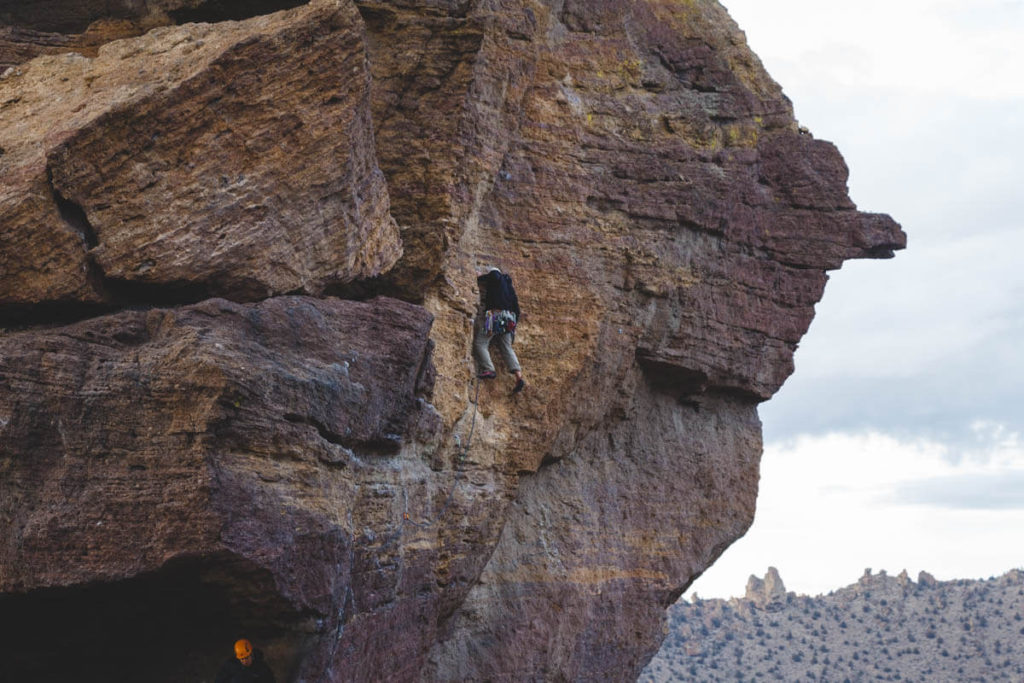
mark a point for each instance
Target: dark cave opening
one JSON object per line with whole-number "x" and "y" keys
{"x": 75, "y": 16}
{"x": 231, "y": 10}
{"x": 61, "y": 16}
{"x": 175, "y": 624}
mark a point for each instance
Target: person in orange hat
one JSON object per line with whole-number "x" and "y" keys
{"x": 247, "y": 666}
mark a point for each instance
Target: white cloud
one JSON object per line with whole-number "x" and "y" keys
{"x": 832, "y": 505}
{"x": 990, "y": 491}
{"x": 942, "y": 165}
{"x": 922, "y": 46}
{"x": 927, "y": 309}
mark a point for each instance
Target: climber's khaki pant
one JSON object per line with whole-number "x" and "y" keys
{"x": 481, "y": 341}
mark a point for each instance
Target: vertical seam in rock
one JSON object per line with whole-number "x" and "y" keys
{"x": 73, "y": 214}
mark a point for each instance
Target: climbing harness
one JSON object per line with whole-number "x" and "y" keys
{"x": 458, "y": 474}
{"x": 497, "y": 321}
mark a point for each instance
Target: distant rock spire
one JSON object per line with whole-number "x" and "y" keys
{"x": 768, "y": 591}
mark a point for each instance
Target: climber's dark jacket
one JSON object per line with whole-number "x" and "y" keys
{"x": 234, "y": 671}
{"x": 497, "y": 292}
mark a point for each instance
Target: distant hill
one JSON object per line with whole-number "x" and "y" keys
{"x": 881, "y": 628}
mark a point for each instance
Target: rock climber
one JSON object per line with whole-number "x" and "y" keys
{"x": 496, "y": 318}
{"x": 247, "y": 666}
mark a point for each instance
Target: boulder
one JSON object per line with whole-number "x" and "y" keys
{"x": 238, "y": 280}
{"x": 232, "y": 159}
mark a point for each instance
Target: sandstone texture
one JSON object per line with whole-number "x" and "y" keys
{"x": 115, "y": 153}
{"x": 237, "y": 278}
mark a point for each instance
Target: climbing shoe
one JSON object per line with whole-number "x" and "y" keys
{"x": 488, "y": 375}
{"x": 520, "y": 385}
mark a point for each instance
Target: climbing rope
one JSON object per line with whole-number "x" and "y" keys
{"x": 464, "y": 450}
{"x": 472, "y": 423}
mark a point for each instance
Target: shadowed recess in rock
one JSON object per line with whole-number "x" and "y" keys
{"x": 73, "y": 214}
{"x": 175, "y": 624}
{"x": 43, "y": 27}
{"x": 15, "y": 317}
{"x": 61, "y": 16}
{"x": 75, "y": 16}
{"x": 231, "y": 10}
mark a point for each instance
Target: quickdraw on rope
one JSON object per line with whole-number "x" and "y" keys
{"x": 464, "y": 450}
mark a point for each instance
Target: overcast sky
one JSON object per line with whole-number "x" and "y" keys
{"x": 897, "y": 443}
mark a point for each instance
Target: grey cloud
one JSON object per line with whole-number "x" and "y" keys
{"x": 990, "y": 491}
{"x": 940, "y": 402}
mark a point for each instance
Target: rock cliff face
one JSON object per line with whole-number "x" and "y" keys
{"x": 237, "y": 280}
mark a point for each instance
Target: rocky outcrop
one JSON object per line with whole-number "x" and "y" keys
{"x": 320, "y": 472}
{"x": 766, "y": 593}
{"x": 177, "y": 178}
{"x": 879, "y": 628}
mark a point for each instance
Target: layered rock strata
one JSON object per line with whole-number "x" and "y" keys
{"x": 323, "y": 473}
{"x": 114, "y": 155}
